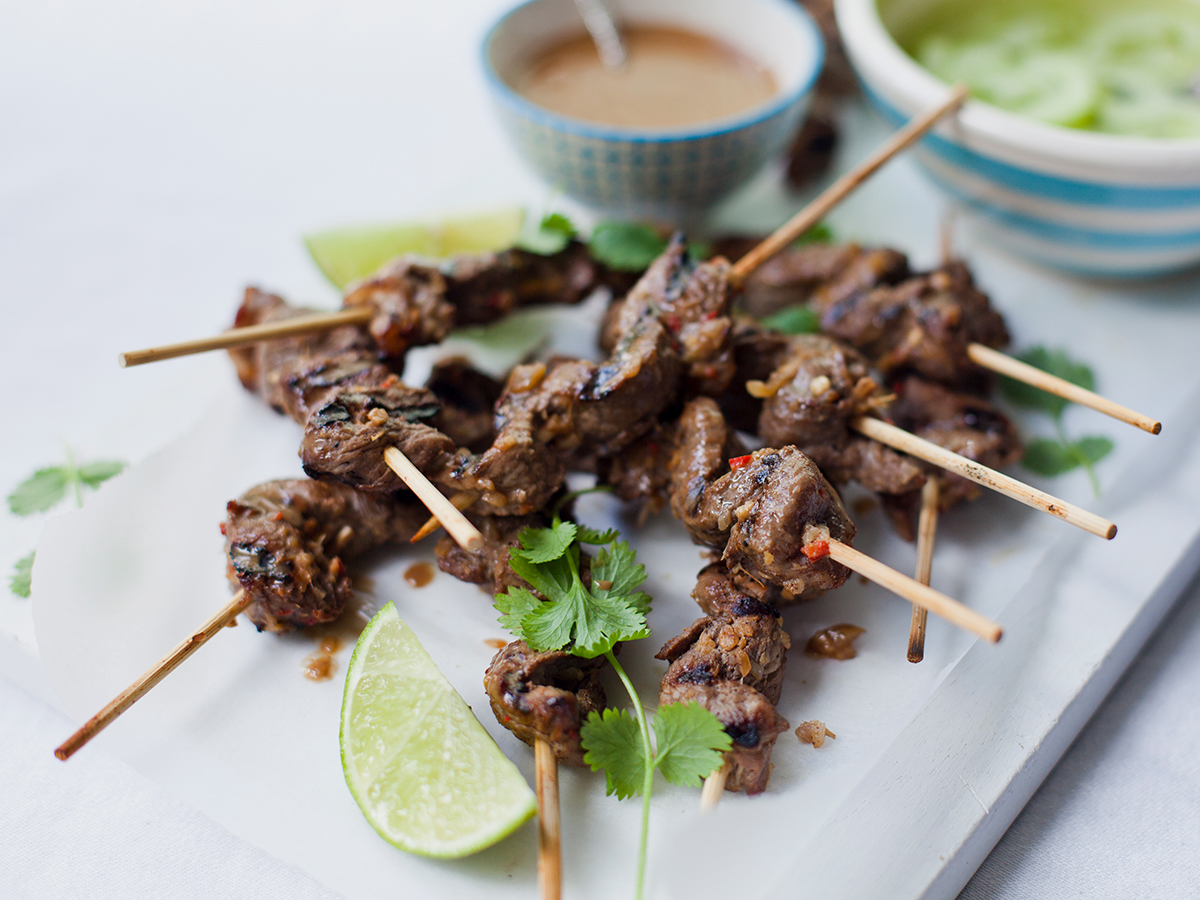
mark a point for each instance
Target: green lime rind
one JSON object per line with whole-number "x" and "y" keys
{"x": 421, "y": 767}
{"x": 347, "y": 255}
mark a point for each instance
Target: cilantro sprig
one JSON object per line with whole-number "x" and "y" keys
{"x": 45, "y": 489}
{"x": 1056, "y": 456}
{"x": 589, "y": 619}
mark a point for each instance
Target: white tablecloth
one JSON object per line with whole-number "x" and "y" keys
{"x": 152, "y": 157}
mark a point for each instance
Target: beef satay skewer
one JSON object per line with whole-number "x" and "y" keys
{"x": 444, "y": 511}
{"x": 836, "y": 192}
{"x": 999, "y": 362}
{"x": 898, "y": 438}
{"x": 461, "y": 501}
{"x": 913, "y": 591}
{"x": 250, "y": 334}
{"x": 926, "y": 532}
{"x": 153, "y": 676}
{"x": 549, "y": 864}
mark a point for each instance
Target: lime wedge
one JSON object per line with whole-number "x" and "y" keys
{"x": 348, "y": 254}
{"x": 424, "y": 772}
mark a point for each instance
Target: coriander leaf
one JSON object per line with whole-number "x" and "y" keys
{"x": 626, "y": 246}
{"x": 698, "y": 251}
{"x": 40, "y": 491}
{"x": 794, "y": 320}
{"x": 551, "y": 234}
{"x": 594, "y": 624}
{"x": 1046, "y": 457}
{"x": 818, "y": 234}
{"x": 516, "y": 603}
{"x": 542, "y": 545}
{"x": 615, "y": 567}
{"x": 19, "y": 582}
{"x": 1092, "y": 448}
{"x": 598, "y": 538}
{"x": 611, "y": 742}
{"x": 551, "y": 579}
{"x": 1055, "y": 362}
{"x": 690, "y": 743}
{"x": 95, "y": 474}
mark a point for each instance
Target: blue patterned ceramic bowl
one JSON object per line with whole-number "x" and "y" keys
{"x": 1090, "y": 203}
{"x": 671, "y": 174}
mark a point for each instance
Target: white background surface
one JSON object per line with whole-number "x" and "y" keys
{"x": 154, "y": 159}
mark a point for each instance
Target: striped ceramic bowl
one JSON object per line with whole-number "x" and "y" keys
{"x": 669, "y": 175}
{"x": 1096, "y": 204}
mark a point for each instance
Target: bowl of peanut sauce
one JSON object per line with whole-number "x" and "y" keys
{"x": 710, "y": 92}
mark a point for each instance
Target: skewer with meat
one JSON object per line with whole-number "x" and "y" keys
{"x": 731, "y": 662}
{"x": 287, "y": 544}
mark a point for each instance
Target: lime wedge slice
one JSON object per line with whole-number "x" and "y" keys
{"x": 424, "y": 772}
{"x": 348, "y": 254}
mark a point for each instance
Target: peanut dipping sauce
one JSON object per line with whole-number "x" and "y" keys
{"x": 671, "y": 78}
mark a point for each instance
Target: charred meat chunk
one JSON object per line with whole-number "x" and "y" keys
{"x": 758, "y": 510}
{"x": 923, "y": 324}
{"x": 545, "y": 695}
{"x": 731, "y": 662}
{"x": 963, "y": 423}
{"x": 809, "y": 401}
{"x": 468, "y": 399}
{"x": 287, "y": 542}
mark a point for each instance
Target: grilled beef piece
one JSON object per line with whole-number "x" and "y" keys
{"x": 640, "y": 472}
{"x": 923, "y": 324}
{"x": 468, "y": 398}
{"x": 761, "y": 514}
{"x": 295, "y": 375}
{"x": 962, "y": 423}
{"x": 808, "y": 401}
{"x": 418, "y": 301}
{"x": 345, "y": 438}
{"x": 731, "y": 662}
{"x": 545, "y": 695}
{"x": 287, "y": 542}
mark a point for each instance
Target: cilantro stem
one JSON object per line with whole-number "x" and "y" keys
{"x": 1078, "y": 455}
{"x": 73, "y": 476}
{"x": 648, "y": 778}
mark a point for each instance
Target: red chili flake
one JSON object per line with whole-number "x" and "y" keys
{"x": 279, "y": 515}
{"x": 816, "y": 550}
{"x": 674, "y": 322}
{"x": 711, "y": 314}
{"x": 222, "y": 528}
{"x": 391, "y": 381}
{"x": 738, "y": 461}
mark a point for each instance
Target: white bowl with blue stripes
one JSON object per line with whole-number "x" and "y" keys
{"x": 669, "y": 175}
{"x": 1095, "y": 204}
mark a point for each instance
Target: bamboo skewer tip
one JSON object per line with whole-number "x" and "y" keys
{"x": 152, "y": 676}
{"x": 549, "y": 864}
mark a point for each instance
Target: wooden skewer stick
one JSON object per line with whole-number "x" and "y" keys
{"x": 464, "y": 533}
{"x": 549, "y": 828}
{"x": 914, "y": 592}
{"x": 1014, "y": 368}
{"x": 153, "y": 676}
{"x": 902, "y": 440}
{"x": 819, "y": 208}
{"x": 460, "y": 501}
{"x": 926, "y": 531}
{"x": 250, "y": 334}
{"x": 714, "y": 787}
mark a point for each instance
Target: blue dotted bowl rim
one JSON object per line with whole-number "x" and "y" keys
{"x": 568, "y": 125}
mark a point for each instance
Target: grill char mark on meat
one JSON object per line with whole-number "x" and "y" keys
{"x": 287, "y": 541}
{"x": 731, "y": 662}
{"x": 545, "y": 695}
